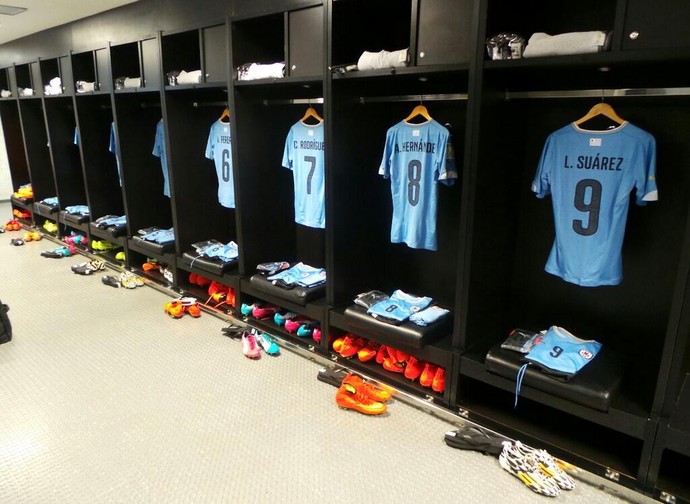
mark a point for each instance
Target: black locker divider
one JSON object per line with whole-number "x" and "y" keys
{"x": 16, "y": 155}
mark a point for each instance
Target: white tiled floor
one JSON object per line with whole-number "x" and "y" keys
{"x": 106, "y": 399}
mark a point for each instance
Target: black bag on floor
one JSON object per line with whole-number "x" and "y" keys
{"x": 5, "y": 326}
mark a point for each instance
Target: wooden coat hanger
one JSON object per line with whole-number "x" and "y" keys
{"x": 419, "y": 110}
{"x": 601, "y": 109}
{"x": 225, "y": 114}
{"x": 311, "y": 112}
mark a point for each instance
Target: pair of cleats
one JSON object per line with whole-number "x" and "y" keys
{"x": 75, "y": 239}
{"x": 12, "y": 225}
{"x": 102, "y": 245}
{"x": 130, "y": 280}
{"x": 429, "y": 375}
{"x": 299, "y": 325}
{"x": 167, "y": 274}
{"x": 350, "y": 345}
{"x": 178, "y": 307}
{"x": 60, "y": 252}
{"x": 17, "y": 242}
{"x": 220, "y": 294}
{"x": 258, "y": 311}
{"x": 150, "y": 264}
{"x": 88, "y": 268}
{"x": 537, "y": 469}
{"x": 253, "y": 342}
{"x": 51, "y": 227}
{"x": 356, "y": 394}
{"x": 196, "y": 279}
{"x": 120, "y": 256}
{"x": 33, "y": 236}
{"x": 21, "y": 215}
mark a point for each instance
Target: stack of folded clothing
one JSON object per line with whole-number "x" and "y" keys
{"x": 213, "y": 249}
{"x": 25, "y": 91}
{"x": 183, "y": 77}
{"x": 113, "y": 223}
{"x": 400, "y": 307}
{"x": 543, "y": 44}
{"x": 54, "y": 87}
{"x": 127, "y": 82}
{"x": 383, "y": 59}
{"x": 253, "y": 71}
{"x": 157, "y": 235}
{"x": 301, "y": 275}
{"x": 85, "y": 87}
{"x": 77, "y": 210}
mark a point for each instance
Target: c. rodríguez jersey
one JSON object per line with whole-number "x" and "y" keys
{"x": 159, "y": 151}
{"x": 303, "y": 154}
{"x": 415, "y": 158}
{"x": 590, "y": 175}
{"x": 219, "y": 149}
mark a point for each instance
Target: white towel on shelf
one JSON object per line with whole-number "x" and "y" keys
{"x": 85, "y": 87}
{"x": 255, "y": 71}
{"x": 132, "y": 82}
{"x": 383, "y": 59}
{"x": 5, "y": 93}
{"x": 543, "y": 44}
{"x": 193, "y": 77}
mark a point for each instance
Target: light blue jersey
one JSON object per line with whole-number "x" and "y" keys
{"x": 219, "y": 149}
{"x": 399, "y": 307}
{"x": 115, "y": 150}
{"x": 415, "y": 158}
{"x": 590, "y": 175}
{"x": 303, "y": 154}
{"x": 159, "y": 151}
{"x": 559, "y": 352}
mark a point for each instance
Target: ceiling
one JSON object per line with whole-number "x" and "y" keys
{"x": 41, "y": 15}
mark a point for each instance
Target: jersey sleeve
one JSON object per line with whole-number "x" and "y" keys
{"x": 210, "y": 144}
{"x": 541, "y": 185}
{"x": 287, "y": 151}
{"x": 385, "y": 166}
{"x": 158, "y": 144}
{"x": 447, "y": 173}
{"x": 76, "y": 135}
{"x": 645, "y": 180}
{"x": 112, "y": 147}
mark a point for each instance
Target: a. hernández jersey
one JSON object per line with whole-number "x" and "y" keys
{"x": 415, "y": 158}
{"x": 219, "y": 149}
{"x": 303, "y": 154}
{"x": 590, "y": 175}
{"x": 159, "y": 151}
{"x": 115, "y": 150}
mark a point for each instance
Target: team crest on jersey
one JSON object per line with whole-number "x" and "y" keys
{"x": 585, "y": 354}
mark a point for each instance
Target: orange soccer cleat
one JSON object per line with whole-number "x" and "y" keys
{"x": 381, "y": 354}
{"x": 427, "y": 377}
{"x": 438, "y": 384}
{"x": 413, "y": 368}
{"x": 371, "y": 391}
{"x": 351, "y": 345}
{"x": 338, "y": 343}
{"x": 348, "y": 397}
{"x": 368, "y": 352}
{"x": 174, "y": 308}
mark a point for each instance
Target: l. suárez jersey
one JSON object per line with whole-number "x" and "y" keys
{"x": 415, "y": 158}
{"x": 590, "y": 175}
{"x": 218, "y": 148}
{"x": 303, "y": 154}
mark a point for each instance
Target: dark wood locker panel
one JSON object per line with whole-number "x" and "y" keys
{"x": 656, "y": 25}
{"x": 150, "y": 62}
{"x": 66, "y": 75}
{"x": 125, "y": 61}
{"x": 84, "y": 68}
{"x": 215, "y": 53}
{"x": 258, "y": 40}
{"x": 69, "y": 176}
{"x": 306, "y": 41}
{"x": 5, "y": 82}
{"x": 444, "y": 32}
{"x": 37, "y": 150}
{"x": 95, "y": 116}
{"x": 181, "y": 51}
{"x": 36, "y": 80}
{"x": 384, "y": 26}
{"x": 104, "y": 77}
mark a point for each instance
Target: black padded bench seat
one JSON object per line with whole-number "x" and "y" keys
{"x": 155, "y": 248}
{"x": 211, "y": 265}
{"x": 299, "y": 295}
{"x": 406, "y": 334}
{"x": 74, "y": 218}
{"x": 44, "y": 209}
{"x": 593, "y": 386}
{"x": 21, "y": 201}
{"x": 114, "y": 231}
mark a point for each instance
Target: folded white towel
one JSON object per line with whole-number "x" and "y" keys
{"x": 193, "y": 77}
{"x": 5, "y": 93}
{"x": 132, "y": 82}
{"x": 55, "y": 82}
{"x": 261, "y": 71}
{"x": 85, "y": 87}
{"x": 543, "y": 44}
{"x": 383, "y": 59}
